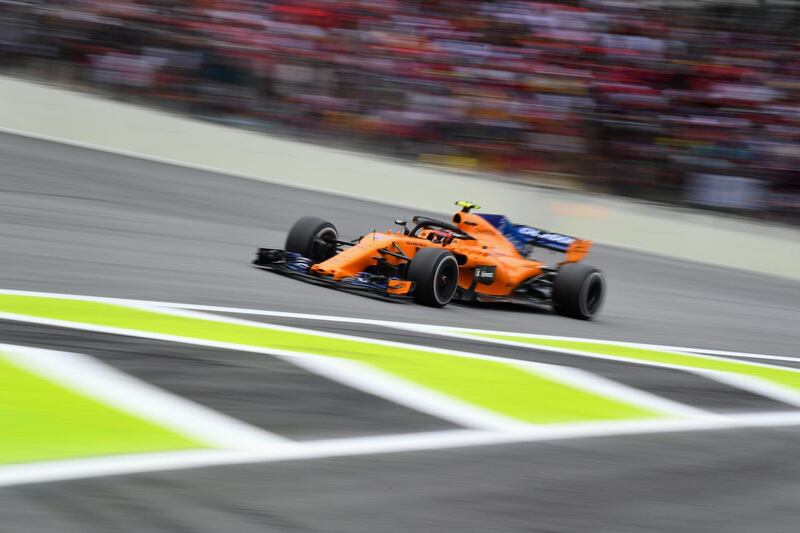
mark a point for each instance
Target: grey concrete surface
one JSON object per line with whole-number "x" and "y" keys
{"x": 725, "y": 482}
{"x": 77, "y": 221}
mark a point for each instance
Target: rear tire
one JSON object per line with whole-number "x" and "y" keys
{"x": 434, "y": 272}
{"x": 578, "y": 291}
{"x": 313, "y": 238}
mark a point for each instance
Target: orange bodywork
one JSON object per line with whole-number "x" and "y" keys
{"x": 489, "y": 248}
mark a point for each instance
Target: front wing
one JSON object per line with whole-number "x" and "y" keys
{"x": 296, "y": 266}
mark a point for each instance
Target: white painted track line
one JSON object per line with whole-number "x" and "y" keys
{"x": 458, "y": 333}
{"x": 415, "y": 442}
{"x": 391, "y": 324}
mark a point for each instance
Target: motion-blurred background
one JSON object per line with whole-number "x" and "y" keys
{"x": 694, "y": 103}
{"x": 287, "y": 407}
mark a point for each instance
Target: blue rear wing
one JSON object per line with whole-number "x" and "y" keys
{"x": 524, "y": 238}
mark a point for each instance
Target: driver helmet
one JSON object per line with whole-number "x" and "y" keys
{"x": 441, "y": 236}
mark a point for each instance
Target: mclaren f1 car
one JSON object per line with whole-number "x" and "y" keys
{"x": 475, "y": 257}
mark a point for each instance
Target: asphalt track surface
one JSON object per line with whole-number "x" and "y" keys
{"x": 83, "y": 222}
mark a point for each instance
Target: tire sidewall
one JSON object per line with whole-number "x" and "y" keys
{"x": 572, "y": 294}
{"x": 304, "y": 232}
{"x": 425, "y": 269}
{"x": 592, "y": 279}
{"x": 444, "y": 261}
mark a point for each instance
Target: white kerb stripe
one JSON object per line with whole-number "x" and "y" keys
{"x": 571, "y": 377}
{"x": 601, "y": 386}
{"x": 752, "y": 384}
{"x": 191, "y": 311}
{"x": 477, "y": 420}
{"x": 402, "y": 392}
{"x": 96, "y": 380}
{"x": 106, "y": 466}
{"x": 756, "y": 385}
{"x": 370, "y": 379}
{"x": 478, "y": 416}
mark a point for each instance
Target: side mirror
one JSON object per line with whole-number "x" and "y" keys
{"x": 402, "y": 223}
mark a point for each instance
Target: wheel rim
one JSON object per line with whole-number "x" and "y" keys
{"x": 446, "y": 280}
{"x": 323, "y": 245}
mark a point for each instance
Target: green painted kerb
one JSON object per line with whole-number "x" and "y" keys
{"x": 494, "y": 385}
{"x": 41, "y": 420}
{"x": 780, "y": 376}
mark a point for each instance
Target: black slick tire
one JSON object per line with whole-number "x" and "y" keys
{"x": 578, "y": 291}
{"x": 313, "y": 238}
{"x": 434, "y": 272}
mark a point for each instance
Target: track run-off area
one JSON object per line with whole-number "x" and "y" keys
{"x": 151, "y": 379}
{"x": 493, "y": 399}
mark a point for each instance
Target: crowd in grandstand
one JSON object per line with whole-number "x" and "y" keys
{"x": 691, "y": 106}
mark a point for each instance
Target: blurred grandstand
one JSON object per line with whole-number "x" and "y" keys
{"x": 695, "y": 103}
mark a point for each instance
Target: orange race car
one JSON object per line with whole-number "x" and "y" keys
{"x": 473, "y": 258}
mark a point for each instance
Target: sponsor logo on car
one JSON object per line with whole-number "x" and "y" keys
{"x": 529, "y": 232}
{"x": 558, "y": 238}
{"x": 485, "y": 274}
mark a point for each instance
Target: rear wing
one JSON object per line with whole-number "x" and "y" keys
{"x": 524, "y": 238}
{"x": 574, "y": 248}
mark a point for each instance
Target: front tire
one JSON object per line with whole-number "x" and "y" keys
{"x": 578, "y": 291}
{"x": 313, "y": 238}
{"x": 434, "y": 272}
